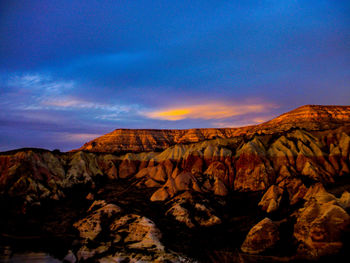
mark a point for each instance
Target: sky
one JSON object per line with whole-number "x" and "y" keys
{"x": 71, "y": 71}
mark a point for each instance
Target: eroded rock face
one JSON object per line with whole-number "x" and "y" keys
{"x": 192, "y": 213}
{"x": 344, "y": 200}
{"x": 320, "y": 224}
{"x": 193, "y": 182}
{"x": 135, "y": 237}
{"x": 310, "y": 117}
{"x": 128, "y": 167}
{"x": 271, "y": 199}
{"x": 253, "y": 169}
{"x": 296, "y": 189}
{"x": 82, "y": 168}
{"x": 183, "y": 181}
{"x": 32, "y": 175}
{"x": 90, "y": 226}
{"x": 262, "y": 236}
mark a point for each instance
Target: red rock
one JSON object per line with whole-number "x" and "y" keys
{"x": 262, "y": 236}
{"x": 271, "y": 199}
{"x": 319, "y": 228}
{"x": 127, "y": 168}
{"x": 311, "y": 117}
{"x": 253, "y": 169}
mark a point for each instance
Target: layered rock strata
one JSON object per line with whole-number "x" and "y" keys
{"x": 291, "y": 170}
{"x": 309, "y": 117}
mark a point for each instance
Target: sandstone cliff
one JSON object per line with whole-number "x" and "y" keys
{"x": 283, "y": 190}
{"x": 309, "y": 117}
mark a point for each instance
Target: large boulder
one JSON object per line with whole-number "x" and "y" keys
{"x": 191, "y": 213}
{"x": 178, "y": 182}
{"x": 140, "y": 232}
{"x": 296, "y": 189}
{"x": 219, "y": 188}
{"x": 320, "y": 224}
{"x": 107, "y": 229}
{"x": 271, "y": 199}
{"x": 262, "y": 236}
{"x": 90, "y": 226}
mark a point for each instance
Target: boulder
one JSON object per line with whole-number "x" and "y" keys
{"x": 90, "y": 226}
{"x": 187, "y": 211}
{"x": 216, "y": 170}
{"x": 206, "y": 216}
{"x": 295, "y": 188}
{"x": 178, "y": 182}
{"x": 318, "y": 192}
{"x": 271, "y": 199}
{"x": 160, "y": 195}
{"x": 219, "y": 188}
{"x": 344, "y": 200}
{"x": 181, "y": 214}
{"x": 141, "y": 232}
{"x": 320, "y": 224}
{"x": 262, "y": 236}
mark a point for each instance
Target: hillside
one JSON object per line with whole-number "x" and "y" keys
{"x": 279, "y": 193}
{"x": 309, "y": 117}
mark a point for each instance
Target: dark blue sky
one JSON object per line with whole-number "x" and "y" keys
{"x": 73, "y": 70}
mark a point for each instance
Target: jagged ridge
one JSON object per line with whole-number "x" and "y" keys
{"x": 309, "y": 117}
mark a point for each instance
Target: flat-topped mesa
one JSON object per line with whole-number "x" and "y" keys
{"x": 310, "y": 117}
{"x": 139, "y": 140}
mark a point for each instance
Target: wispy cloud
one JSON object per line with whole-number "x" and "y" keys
{"x": 245, "y": 121}
{"x": 77, "y": 137}
{"x": 208, "y": 111}
{"x": 76, "y": 103}
{"x": 41, "y": 92}
{"x": 39, "y": 82}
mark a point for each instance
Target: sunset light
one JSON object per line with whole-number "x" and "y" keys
{"x": 210, "y": 111}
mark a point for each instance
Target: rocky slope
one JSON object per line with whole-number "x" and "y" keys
{"x": 278, "y": 194}
{"x": 309, "y": 117}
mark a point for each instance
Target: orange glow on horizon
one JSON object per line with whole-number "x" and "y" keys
{"x": 207, "y": 111}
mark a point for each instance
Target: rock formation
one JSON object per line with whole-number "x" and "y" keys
{"x": 147, "y": 195}
{"x": 262, "y": 236}
{"x": 320, "y": 223}
{"x": 137, "y": 237}
{"x": 309, "y": 117}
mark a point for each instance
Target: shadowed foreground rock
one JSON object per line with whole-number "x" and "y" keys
{"x": 321, "y": 223}
{"x": 262, "y": 236}
{"x": 137, "y": 237}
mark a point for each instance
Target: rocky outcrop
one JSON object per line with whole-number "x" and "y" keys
{"x": 320, "y": 224}
{"x": 192, "y": 213}
{"x": 196, "y": 181}
{"x": 176, "y": 183}
{"x": 35, "y": 175}
{"x": 82, "y": 168}
{"x": 253, "y": 169}
{"x": 271, "y": 199}
{"x": 134, "y": 237}
{"x": 32, "y": 176}
{"x": 217, "y": 166}
{"x": 90, "y": 226}
{"x": 262, "y": 236}
{"x": 310, "y": 117}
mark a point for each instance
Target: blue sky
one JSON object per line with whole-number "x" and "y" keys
{"x": 73, "y": 70}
